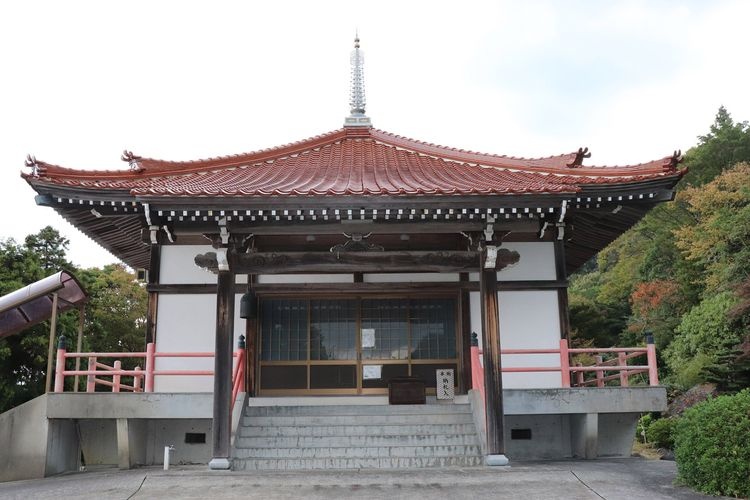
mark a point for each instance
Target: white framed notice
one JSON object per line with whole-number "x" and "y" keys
{"x": 368, "y": 338}
{"x": 372, "y": 372}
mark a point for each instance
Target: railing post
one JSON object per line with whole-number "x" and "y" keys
{"x": 137, "y": 379}
{"x": 91, "y": 378}
{"x": 150, "y": 351}
{"x": 653, "y": 374}
{"x": 60, "y": 365}
{"x": 241, "y": 346}
{"x": 564, "y": 363}
{"x": 599, "y": 373}
{"x": 622, "y": 360}
{"x": 579, "y": 376}
{"x": 238, "y": 373}
{"x": 241, "y": 363}
{"x": 116, "y": 377}
{"x": 477, "y": 372}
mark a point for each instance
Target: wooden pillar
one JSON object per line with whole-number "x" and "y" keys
{"x": 79, "y": 343}
{"x": 222, "y": 424}
{"x": 562, "y": 293}
{"x": 153, "y": 297}
{"x": 251, "y": 341}
{"x": 51, "y": 346}
{"x": 465, "y": 336}
{"x": 493, "y": 382}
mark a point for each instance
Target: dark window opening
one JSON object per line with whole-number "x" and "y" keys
{"x": 520, "y": 433}
{"x": 195, "y": 437}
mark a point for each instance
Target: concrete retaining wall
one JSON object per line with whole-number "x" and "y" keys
{"x": 23, "y": 439}
{"x": 48, "y": 435}
{"x": 34, "y": 446}
{"x": 576, "y": 422}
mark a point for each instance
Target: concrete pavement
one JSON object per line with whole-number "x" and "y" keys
{"x": 633, "y": 478}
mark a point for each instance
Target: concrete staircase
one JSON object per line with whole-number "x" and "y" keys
{"x": 356, "y": 436}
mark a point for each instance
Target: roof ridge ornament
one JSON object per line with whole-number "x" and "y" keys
{"x": 672, "y": 161}
{"x": 578, "y": 160}
{"x": 132, "y": 160}
{"x": 32, "y": 164}
{"x": 357, "y": 117}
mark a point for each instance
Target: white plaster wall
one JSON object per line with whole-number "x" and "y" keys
{"x": 305, "y": 278}
{"x": 187, "y": 323}
{"x": 537, "y": 262}
{"x": 178, "y": 265}
{"x": 528, "y": 320}
{"x": 409, "y": 277}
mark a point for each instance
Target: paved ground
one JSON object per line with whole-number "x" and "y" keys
{"x": 611, "y": 479}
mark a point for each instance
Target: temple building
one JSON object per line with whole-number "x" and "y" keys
{"x": 359, "y": 259}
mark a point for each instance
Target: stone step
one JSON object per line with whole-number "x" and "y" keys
{"x": 355, "y": 452}
{"x": 287, "y": 411}
{"x": 409, "y": 439}
{"x": 328, "y": 420}
{"x": 356, "y": 430}
{"x": 339, "y": 436}
{"x": 356, "y": 463}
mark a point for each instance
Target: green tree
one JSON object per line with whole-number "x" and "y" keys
{"x": 50, "y": 247}
{"x": 726, "y": 144}
{"x": 719, "y": 241}
{"x": 702, "y": 338}
{"x": 684, "y": 260}
{"x": 115, "y": 313}
{"x": 23, "y": 357}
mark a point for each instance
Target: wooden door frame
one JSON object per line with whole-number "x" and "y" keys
{"x": 359, "y": 362}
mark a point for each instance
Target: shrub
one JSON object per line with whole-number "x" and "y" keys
{"x": 661, "y": 433}
{"x": 711, "y": 445}
{"x": 641, "y": 430}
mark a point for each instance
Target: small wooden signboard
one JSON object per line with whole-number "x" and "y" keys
{"x": 406, "y": 391}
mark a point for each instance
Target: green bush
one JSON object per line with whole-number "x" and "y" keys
{"x": 712, "y": 446}
{"x": 641, "y": 430}
{"x": 661, "y": 433}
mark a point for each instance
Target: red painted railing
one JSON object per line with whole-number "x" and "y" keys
{"x": 601, "y": 368}
{"x": 142, "y": 380}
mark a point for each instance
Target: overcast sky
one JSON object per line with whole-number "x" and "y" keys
{"x": 81, "y": 81}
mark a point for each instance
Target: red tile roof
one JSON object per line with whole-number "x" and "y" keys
{"x": 354, "y": 161}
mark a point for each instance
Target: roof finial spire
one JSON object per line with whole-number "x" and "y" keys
{"x": 357, "y": 117}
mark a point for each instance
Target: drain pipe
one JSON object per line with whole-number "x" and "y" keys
{"x": 167, "y": 450}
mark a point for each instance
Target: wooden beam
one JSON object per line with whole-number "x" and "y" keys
{"x": 347, "y": 287}
{"x": 296, "y": 227}
{"x": 305, "y": 202}
{"x": 493, "y": 382}
{"x": 351, "y": 262}
{"x": 306, "y": 227}
{"x": 344, "y": 262}
{"x": 222, "y": 415}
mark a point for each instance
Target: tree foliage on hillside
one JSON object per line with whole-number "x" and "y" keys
{"x": 114, "y": 321}
{"x": 683, "y": 272}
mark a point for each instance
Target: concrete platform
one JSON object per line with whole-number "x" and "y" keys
{"x": 630, "y": 479}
